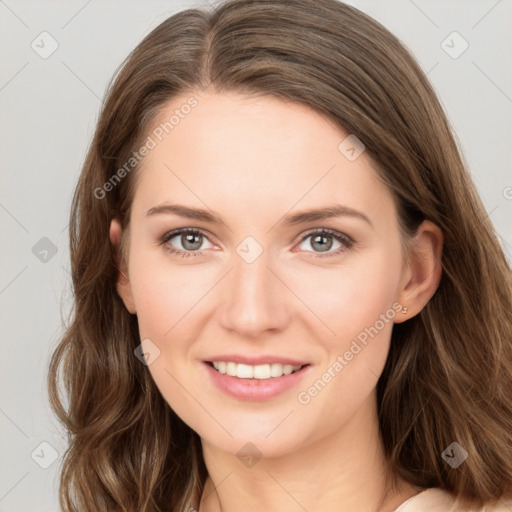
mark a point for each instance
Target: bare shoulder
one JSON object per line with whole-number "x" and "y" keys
{"x": 439, "y": 500}
{"x": 500, "y": 506}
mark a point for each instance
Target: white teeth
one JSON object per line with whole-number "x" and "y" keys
{"x": 261, "y": 371}
{"x": 276, "y": 370}
{"x": 231, "y": 369}
{"x": 287, "y": 369}
{"x": 244, "y": 371}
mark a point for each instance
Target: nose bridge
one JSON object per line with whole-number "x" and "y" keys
{"x": 254, "y": 300}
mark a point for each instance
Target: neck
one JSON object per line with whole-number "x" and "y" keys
{"x": 344, "y": 472}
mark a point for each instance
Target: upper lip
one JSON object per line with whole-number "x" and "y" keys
{"x": 255, "y": 361}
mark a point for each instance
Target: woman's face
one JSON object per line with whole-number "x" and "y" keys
{"x": 256, "y": 285}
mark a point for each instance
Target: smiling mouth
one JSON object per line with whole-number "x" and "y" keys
{"x": 260, "y": 371}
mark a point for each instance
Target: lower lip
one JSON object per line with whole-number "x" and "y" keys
{"x": 255, "y": 389}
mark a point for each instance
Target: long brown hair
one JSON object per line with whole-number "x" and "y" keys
{"x": 448, "y": 376}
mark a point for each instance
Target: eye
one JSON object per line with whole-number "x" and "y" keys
{"x": 190, "y": 241}
{"x": 322, "y": 240}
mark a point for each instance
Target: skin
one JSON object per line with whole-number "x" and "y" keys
{"x": 254, "y": 160}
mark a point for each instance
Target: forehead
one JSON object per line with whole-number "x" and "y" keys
{"x": 251, "y": 153}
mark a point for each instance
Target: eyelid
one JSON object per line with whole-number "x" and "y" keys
{"x": 169, "y": 235}
{"x": 332, "y": 232}
{"x": 346, "y": 241}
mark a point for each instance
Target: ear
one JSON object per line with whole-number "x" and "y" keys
{"x": 123, "y": 285}
{"x": 422, "y": 273}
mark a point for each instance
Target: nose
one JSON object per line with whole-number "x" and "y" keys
{"x": 256, "y": 300}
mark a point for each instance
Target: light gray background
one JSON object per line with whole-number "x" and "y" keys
{"x": 48, "y": 110}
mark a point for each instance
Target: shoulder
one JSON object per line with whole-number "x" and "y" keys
{"x": 438, "y": 500}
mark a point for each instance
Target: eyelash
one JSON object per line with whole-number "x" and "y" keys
{"x": 345, "y": 240}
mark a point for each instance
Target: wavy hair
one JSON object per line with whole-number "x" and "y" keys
{"x": 448, "y": 375}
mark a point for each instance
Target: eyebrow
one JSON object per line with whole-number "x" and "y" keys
{"x": 293, "y": 219}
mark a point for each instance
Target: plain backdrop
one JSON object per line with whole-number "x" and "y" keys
{"x": 49, "y": 106}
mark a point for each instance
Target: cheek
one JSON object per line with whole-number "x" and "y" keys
{"x": 167, "y": 301}
{"x": 165, "y": 293}
{"x": 354, "y": 357}
{"x": 355, "y": 306}
{"x": 349, "y": 298}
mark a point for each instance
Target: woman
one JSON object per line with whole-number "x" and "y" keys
{"x": 217, "y": 360}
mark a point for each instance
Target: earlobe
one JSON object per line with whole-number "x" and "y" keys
{"x": 123, "y": 285}
{"x": 424, "y": 270}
